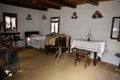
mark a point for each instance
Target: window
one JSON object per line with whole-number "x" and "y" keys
{"x": 10, "y": 21}
{"x": 54, "y": 24}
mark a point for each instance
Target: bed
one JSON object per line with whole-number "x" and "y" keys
{"x": 34, "y": 39}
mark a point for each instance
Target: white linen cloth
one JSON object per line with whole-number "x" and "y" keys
{"x": 94, "y": 46}
{"x": 36, "y": 42}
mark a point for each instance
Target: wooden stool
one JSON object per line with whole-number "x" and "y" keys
{"x": 82, "y": 54}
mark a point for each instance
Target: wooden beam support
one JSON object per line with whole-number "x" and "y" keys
{"x": 45, "y": 4}
{"x": 48, "y": 5}
{"x": 22, "y": 5}
{"x": 63, "y": 2}
{"x": 93, "y": 2}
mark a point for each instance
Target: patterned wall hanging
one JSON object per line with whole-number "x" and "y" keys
{"x": 96, "y": 15}
{"x": 74, "y": 15}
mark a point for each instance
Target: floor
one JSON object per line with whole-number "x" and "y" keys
{"x": 36, "y": 65}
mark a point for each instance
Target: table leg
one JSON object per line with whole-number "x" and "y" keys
{"x": 95, "y": 60}
{"x": 99, "y": 59}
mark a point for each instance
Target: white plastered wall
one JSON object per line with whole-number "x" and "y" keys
{"x": 76, "y": 28}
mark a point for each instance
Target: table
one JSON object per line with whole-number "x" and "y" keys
{"x": 94, "y": 46}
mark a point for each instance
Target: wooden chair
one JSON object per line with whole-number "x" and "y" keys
{"x": 81, "y": 54}
{"x": 61, "y": 47}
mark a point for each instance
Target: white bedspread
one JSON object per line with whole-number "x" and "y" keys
{"x": 36, "y": 42}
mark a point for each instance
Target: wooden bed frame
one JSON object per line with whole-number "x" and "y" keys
{"x": 29, "y": 33}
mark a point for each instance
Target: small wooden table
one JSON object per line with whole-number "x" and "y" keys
{"x": 94, "y": 46}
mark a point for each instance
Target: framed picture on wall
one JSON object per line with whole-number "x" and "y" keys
{"x": 115, "y": 27}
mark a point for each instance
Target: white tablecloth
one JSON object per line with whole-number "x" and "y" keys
{"x": 94, "y": 46}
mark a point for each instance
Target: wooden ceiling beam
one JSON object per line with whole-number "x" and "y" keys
{"x": 22, "y": 5}
{"x": 63, "y": 2}
{"x": 93, "y": 2}
{"x": 48, "y": 5}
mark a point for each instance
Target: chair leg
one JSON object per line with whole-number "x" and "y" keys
{"x": 18, "y": 63}
{"x": 87, "y": 60}
{"x": 55, "y": 55}
{"x": 75, "y": 62}
{"x": 60, "y": 52}
{"x": 17, "y": 66}
{"x": 79, "y": 58}
{"x": 75, "y": 58}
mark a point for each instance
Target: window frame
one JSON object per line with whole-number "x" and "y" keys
{"x": 51, "y": 21}
{"x": 11, "y": 15}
